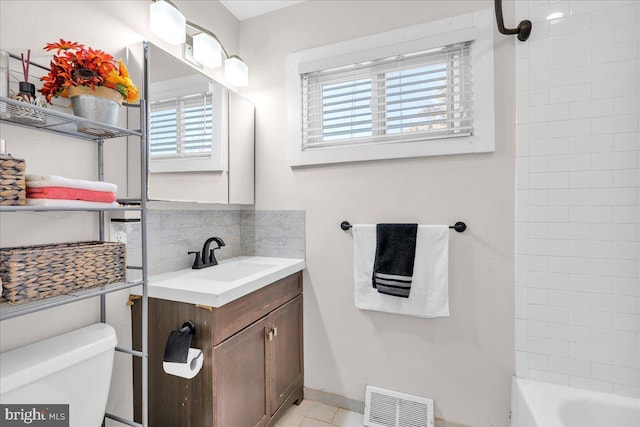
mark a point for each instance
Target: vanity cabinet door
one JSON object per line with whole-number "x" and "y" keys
{"x": 285, "y": 351}
{"x": 240, "y": 378}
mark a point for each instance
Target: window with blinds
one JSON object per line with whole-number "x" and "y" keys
{"x": 411, "y": 97}
{"x": 182, "y": 127}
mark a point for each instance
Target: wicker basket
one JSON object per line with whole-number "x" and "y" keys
{"x": 12, "y": 184}
{"x": 43, "y": 271}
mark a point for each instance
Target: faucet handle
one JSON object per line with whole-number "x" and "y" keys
{"x": 196, "y": 263}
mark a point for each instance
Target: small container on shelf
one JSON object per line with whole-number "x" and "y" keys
{"x": 12, "y": 183}
{"x": 43, "y": 271}
{"x": 28, "y": 116}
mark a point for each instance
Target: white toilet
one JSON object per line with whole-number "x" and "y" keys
{"x": 73, "y": 368}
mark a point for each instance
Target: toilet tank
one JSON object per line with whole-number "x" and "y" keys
{"x": 73, "y": 368}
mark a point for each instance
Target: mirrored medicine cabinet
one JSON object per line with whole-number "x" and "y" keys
{"x": 201, "y": 133}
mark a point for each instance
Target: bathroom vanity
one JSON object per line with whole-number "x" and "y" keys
{"x": 248, "y": 324}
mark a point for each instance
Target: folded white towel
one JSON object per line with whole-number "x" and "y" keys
{"x": 70, "y": 203}
{"x": 39, "y": 181}
{"x": 430, "y": 285}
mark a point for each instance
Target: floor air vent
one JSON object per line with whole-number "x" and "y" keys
{"x": 388, "y": 408}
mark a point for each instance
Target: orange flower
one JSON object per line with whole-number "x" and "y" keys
{"x": 123, "y": 68}
{"x": 74, "y": 64}
{"x": 119, "y": 80}
{"x": 63, "y": 45}
{"x": 132, "y": 94}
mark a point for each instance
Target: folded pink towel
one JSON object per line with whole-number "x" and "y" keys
{"x": 70, "y": 194}
{"x": 59, "y": 181}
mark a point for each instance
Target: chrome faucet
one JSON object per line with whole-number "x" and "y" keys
{"x": 208, "y": 258}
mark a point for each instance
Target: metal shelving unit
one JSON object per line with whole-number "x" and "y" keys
{"x": 17, "y": 113}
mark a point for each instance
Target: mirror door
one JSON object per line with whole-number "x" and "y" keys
{"x": 201, "y": 133}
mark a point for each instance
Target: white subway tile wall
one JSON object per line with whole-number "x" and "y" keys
{"x": 578, "y": 195}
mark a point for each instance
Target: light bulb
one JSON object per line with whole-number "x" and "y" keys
{"x": 236, "y": 72}
{"x": 207, "y": 50}
{"x": 167, "y": 22}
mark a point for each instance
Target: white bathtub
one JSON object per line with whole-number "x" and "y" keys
{"x": 536, "y": 404}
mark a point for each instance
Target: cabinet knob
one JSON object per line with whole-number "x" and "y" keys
{"x": 270, "y": 335}
{"x": 275, "y": 331}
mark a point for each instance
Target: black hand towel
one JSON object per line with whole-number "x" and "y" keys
{"x": 395, "y": 255}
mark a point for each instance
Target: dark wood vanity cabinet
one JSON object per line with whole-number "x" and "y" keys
{"x": 253, "y": 360}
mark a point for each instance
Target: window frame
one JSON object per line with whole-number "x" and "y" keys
{"x": 177, "y": 88}
{"x": 376, "y": 83}
{"x": 476, "y": 27}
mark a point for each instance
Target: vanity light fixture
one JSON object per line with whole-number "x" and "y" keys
{"x": 166, "y": 21}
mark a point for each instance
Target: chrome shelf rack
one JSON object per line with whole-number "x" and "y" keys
{"x": 66, "y": 209}
{"x": 17, "y": 113}
{"x": 47, "y": 119}
{"x": 9, "y": 311}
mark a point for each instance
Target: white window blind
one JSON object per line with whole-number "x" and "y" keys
{"x": 182, "y": 127}
{"x": 418, "y": 96}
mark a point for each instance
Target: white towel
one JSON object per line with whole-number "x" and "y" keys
{"x": 70, "y": 203}
{"x": 429, "y": 295}
{"x": 39, "y": 181}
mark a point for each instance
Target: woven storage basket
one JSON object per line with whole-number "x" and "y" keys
{"x": 43, "y": 271}
{"x": 12, "y": 184}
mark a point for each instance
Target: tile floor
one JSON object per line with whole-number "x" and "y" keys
{"x": 315, "y": 414}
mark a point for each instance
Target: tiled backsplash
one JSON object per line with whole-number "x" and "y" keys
{"x": 272, "y": 233}
{"x": 578, "y": 231}
{"x": 171, "y": 234}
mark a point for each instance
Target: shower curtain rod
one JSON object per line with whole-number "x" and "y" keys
{"x": 524, "y": 28}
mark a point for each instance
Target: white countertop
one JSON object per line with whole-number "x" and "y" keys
{"x": 215, "y": 286}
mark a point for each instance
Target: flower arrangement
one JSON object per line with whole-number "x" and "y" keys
{"x": 74, "y": 64}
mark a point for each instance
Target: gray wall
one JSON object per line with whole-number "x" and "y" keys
{"x": 465, "y": 362}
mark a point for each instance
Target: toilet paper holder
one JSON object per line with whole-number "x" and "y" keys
{"x": 177, "y": 348}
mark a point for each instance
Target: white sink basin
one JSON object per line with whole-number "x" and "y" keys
{"x": 222, "y": 283}
{"x": 231, "y": 271}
